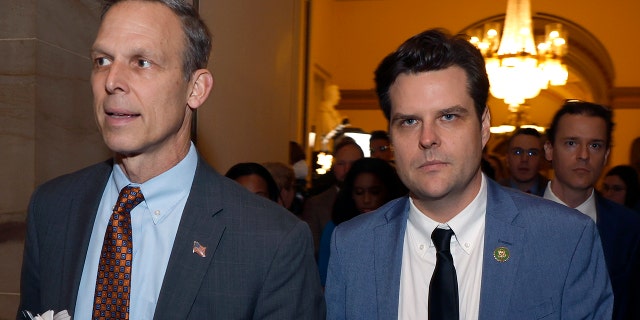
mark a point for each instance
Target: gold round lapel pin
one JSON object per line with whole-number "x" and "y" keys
{"x": 501, "y": 254}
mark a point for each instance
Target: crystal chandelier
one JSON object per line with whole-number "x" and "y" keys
{"x": 517, "y": 69}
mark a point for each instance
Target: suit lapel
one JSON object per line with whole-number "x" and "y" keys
{"x": 610, "y": 237}
{"x": 200, "y": 222}
{"x": 389, "y": 241}
{"x": 80, "y": 217}
{"x": 498, "y": 277}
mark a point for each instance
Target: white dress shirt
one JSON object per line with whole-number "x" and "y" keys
{"x": 154, "y": 224}
{"x": 588, "y": 207}
{"x": 419, "y": 258}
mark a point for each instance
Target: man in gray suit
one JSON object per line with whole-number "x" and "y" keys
{"x": 460, "y": 246}
{"x": 202, "y": 246}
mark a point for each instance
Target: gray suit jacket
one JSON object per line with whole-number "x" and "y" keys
{"x": 259, "y": 262}
{"x": 556, "y": 268}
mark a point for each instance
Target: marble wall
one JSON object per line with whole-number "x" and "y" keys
{"x": 46, "y": 119}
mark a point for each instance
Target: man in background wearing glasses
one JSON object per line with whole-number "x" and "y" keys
{"x": 380, "y": 146}
{"x": 523, "y": 161}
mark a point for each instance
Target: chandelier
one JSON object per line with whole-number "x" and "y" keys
{"x": 518, "y": 68}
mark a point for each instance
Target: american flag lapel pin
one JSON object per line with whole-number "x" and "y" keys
{"x": 199, "y": 249}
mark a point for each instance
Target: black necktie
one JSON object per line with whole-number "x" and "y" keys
{"x": 443, "y": 290}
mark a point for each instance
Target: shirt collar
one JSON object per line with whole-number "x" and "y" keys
{"x": 588, "y": 207}
{"x": 465, "y": 224}
{"x": 162, "y": 192}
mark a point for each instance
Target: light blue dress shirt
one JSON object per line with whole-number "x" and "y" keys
{"x": 154, "y": 225}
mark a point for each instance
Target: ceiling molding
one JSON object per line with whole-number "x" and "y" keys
{"x": 365, "y": 99}
{"x": 625, "y": 98}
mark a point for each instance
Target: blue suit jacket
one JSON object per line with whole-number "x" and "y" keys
{"x": 259, "y": 262}
{"x": 619, "y": 228}
{"x": 556, "y": 268}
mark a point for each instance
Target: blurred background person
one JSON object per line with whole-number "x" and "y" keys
{"x": 524, "y": 154}
{"x": 298, "y": 160}
{"x": 317, "y": 209}
{"x": 620, "y": 185}
{"x": 255, "y": 178}
{"x": 634, "y": 155}
{"x": 284, "y": 176}
{"x": 369, "y": 184}
{"x": 380, "y": 146}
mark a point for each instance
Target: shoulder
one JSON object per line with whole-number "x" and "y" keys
{"x": 324, "y": 196}
{"x": 96, "y": 174}
{"x": 320, "y": 204}
{"x": 394, "y": 212}
{"x": 532, "y": 211}
{"x": 612, "y": 213}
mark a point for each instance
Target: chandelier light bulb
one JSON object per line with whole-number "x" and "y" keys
{"x": 516, "y": 70}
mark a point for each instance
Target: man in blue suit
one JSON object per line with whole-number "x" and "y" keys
{"x": 504, "y": 254}
{"x": 578, "y": 148}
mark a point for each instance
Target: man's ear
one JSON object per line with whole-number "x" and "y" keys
{"x": 486, "y": 126}
{"x": 548, "y": 150}
{"x": 606, "y": 156}
{"x": 201, "y": 84}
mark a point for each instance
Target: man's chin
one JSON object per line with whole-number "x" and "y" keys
{"x": 124, "y": 152}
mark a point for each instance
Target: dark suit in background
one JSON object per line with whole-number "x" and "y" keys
{"x": 259, "y": 260}
{"x": 619, "y": 229}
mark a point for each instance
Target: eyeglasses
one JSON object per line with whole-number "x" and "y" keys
{"x": 530, "y": 152}
{"x": 380, "y": 148}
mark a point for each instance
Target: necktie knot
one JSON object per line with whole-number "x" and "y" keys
{"x": 128, "y": 199}
{"x": 442, "y": 239}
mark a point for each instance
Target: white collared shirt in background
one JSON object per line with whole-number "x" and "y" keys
{"x": 588, "y": 207}
{"x": 419, "y": 258}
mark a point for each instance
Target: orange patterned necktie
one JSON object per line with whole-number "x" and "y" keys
{"x": 113, "y": 283}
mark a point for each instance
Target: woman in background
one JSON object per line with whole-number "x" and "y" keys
{"x": 621, "y": 185}
{"x": 255, "y": 178}
{"x": 368, "y": 185}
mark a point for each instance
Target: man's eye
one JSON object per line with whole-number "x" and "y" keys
{"x": 102, "y": 61}
{"x": 144, "y": 63}
{"x": 517, "y": 151}
{"x": 409, "y": 122}
{"x": 596, "y": 146}
{"x": 449, "y": 117}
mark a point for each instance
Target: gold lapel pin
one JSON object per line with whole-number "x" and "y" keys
{"x": 501, "y": 254}
{"x": 199, "y": 249}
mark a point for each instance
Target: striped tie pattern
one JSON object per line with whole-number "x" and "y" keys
{"x": 113, "y": 283}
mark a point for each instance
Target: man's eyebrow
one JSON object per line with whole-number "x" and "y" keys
{"x": 402, "y": 116}
{"x": 580, "y": 138}
{"x": 455, "y": 109}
